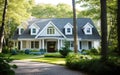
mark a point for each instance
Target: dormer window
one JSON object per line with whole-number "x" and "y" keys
{"x": 20, "y": 31}
{"x": 50, "y": 30}
{"x": 33, "y": 30}
{"x": 68, "y": 29}
{"x": 88, "y": 29}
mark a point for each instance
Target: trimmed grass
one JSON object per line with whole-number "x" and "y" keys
{"x": 39, "y": 58}
{"x": 58, "y": 61}
{"x": 23, "y": 56}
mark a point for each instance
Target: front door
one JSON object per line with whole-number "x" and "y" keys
{"x": 51, "y": 46}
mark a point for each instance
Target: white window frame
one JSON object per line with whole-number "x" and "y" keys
{"x": 50, "y": 30}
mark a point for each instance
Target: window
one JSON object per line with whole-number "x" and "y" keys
{"x": 89, "y": 44}
{"x": 24, "y": 44}
{"x": 80, "y": 45}
{"x": 50, "y": 30}
{"x": 34, "y": 30}
{"x": 71, "y": 44}
{"x": 68, "y": 30}
{"x": 88, "y": 30}
{"x": 22, "y": 30}
{"x": 34, "y": 44}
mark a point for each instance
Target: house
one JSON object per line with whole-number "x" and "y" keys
{"x": 50, "y": 34}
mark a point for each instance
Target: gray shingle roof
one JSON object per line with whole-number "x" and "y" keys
{"x": 60, "y": 23}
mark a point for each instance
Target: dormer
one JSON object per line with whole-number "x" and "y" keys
{"x": 87, "y": 28}
{"x": 20, "y": 30}
{"x": 68, "y": 29}
{"x": 34, "y": 29}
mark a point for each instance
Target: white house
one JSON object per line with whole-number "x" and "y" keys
{"x": 50, "y": 34}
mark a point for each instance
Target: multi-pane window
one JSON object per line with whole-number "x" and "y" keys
{"x": 34, "y": 44}
{"x": 68, "y": 30}
{"x": 50, "y": 30}
{"x": 34, "y": 30}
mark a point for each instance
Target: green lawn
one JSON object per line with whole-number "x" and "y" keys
{"x": 51, "y": 60}
{"x": 39, "y": 58}
{"x": 23, "y": 56}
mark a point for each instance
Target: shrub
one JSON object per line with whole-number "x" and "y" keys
{"x": 5, "y": 50}
{"x": 5, "y": 67}
{"x": 65, "y": 50}
{"x": 93, "y": 66}
{"x": 13, "y": 52}
{"x": 27, "y": 51}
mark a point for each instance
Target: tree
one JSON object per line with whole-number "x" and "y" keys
{"x": 52, "y": 11}
{"x": 14, "y": 16}
{"x": 75, "y": 28}
{"x": 3, "y": 24}
{"x": 118, "y": 24}
{"x": 104, "y": 45}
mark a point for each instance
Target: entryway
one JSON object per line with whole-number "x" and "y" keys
{"x": 51, "y": 46}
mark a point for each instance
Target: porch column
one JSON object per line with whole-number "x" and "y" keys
{"x": 43, "y": 43}
{"x": 21, "y": 45}
{"x": 58, "y": 45}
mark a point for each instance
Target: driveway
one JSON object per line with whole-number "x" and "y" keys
{"x": 36, "y": 68}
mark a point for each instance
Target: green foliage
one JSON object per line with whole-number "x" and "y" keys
{"x": 5, "y": 50}
{"x": 55, "y": 55}
{"x": 66, "y": 49}
{"x": 5, "y": 67}
{"x": 27, "y": 51}
{"x": 94, "y": 66}
{"x": 52, "y": 11}
{"x": 92, "y": 51}
{"x": 14, "y": 52}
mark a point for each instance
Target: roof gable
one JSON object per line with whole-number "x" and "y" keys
{"x": 43, "y": 32}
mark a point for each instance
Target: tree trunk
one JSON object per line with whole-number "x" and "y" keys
{"x": 75, "y": 28}
{"x": 3, "y": 25}
{"x": 104, "y": 44}
{"x": 118, "y": 25}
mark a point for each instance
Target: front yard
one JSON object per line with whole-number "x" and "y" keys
{"x": 40, "y": 58}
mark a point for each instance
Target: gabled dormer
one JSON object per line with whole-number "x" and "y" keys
{"x": 20, "y": 30}
{"x": 87, "y": 29}
{"x": 34, "y": 29}
{"x": 68, "y": 29}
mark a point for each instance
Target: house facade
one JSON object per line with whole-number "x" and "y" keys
{"x": 50, "y": 34}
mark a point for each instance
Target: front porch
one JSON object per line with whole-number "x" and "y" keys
{"x": 53, "y": 44}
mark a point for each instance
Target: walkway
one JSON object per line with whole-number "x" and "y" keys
{"x": 35, "y": 68}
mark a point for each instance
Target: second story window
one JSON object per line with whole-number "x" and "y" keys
{"x": 50, "y": 30}
{"x": 88, "y": 30}
{"x": 68, "y": 30}
{"x": 34, "y": 30}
